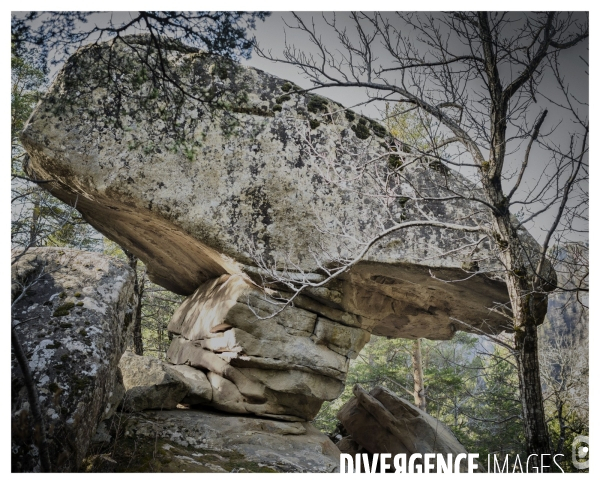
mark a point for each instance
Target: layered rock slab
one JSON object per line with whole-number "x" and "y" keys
{"x": 207, "y": 441}
{"x": 261, "y": 356}
{"x": 71, "y": 311}
{"x": 194, "y": 187}
{"x": 381, "y": 421}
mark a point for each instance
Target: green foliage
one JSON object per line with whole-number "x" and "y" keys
{"x": 38, "y": 219}
{"x": 316, "y": 104}
{"x": 414, "y": 132}
{"x": 314, "y": 124}
{"x": 472, "y": 390}
{"x": 361, "y": 130}
{"x": 378, "y": 129}
{"x": 63, "y": 309}
{"x": 412, "y": 128}
{"x": 282, "y": 99}
{"x": 158, "y": 305}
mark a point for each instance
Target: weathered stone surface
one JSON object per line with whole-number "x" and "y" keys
{"x": 149, "y": 383}
{"x": 72, "y": 321}
{"x": 260, "y": 357}
{"x": 208, "y": 441}
{"x": 381, "y": 421}
{"x": 196, "y": 189}
{"x": 347, "y": 445}
{"x": 198, "y": 388}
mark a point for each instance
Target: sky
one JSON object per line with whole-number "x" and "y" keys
{"x": 273, "y": 33}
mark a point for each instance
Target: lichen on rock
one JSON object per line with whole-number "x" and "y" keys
{"x": 73, "y": 351}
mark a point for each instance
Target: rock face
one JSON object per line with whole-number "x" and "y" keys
{"x": 71, "y": 311}
{"x": 381, "y": 421}
{"x": 198, "y": 188}
{"x": 207, "y": 441}
{"x": 150, "y": 383}
{"x": 257, "y": 357}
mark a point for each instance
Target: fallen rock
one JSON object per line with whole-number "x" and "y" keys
{"x": 205, "y": 187}
{"x": 208, "y": 441}
{"x": 347, "y": 445}
{"x": 381, "y": 421}
{"x": 71, "y": 311}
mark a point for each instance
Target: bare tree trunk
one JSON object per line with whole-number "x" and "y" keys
{"x": 138, "y": 344}
{"x": 38, "y": 419}
{"x": 138, "y": 289}
{"x": 529, "y": 306}
{"x": 419, "y": 382}
{"x": 530, "y": 386}
{"x": 35, "y": 216}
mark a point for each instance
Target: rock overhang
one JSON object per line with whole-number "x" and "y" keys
{"x": 246, "y": 185}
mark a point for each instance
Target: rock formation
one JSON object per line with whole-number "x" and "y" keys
{"x": 224, "y": 355}
{"x": 208, "y": 441}
{"x": 226, "y": 186}
{"x": 380, "y": 421}
{"x": 71, "y": 312}
{"x": 230, "y": 179}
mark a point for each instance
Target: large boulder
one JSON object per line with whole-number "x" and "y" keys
{"x": 381, "y": 421}
{"x": 71, "y": 312}
{"x": 208, "y": 441}
{"x": 231, "y": 179}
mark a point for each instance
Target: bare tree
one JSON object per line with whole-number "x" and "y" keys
{"x": 419, "y": 380}
{"x": 478, "y": 76}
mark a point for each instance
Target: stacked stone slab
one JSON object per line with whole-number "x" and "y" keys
{"x": 260, "y": 357}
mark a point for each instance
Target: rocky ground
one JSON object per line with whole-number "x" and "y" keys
{"x": 195, "y": 440}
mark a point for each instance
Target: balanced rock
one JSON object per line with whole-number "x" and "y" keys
{"x": 239, "y": 176}
{"x": 71, "y": 312}
{"x": 381, "y": 421}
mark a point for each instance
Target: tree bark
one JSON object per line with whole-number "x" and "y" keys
{"x": 419, "y": 382}
{"x": 138, "y": 289}
{"x": 529, "y": 302}
{"x": 35, "y": 216}
{"x": 32, "y": 394}
{"x": 530, "y": 386}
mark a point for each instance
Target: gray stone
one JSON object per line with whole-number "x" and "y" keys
{"x": 261, "y": 357}
{"x": 201, "y": 440}
{"x": 198, "y": 387}
{"x": 150, "y": 384}
{"x": 182, "y": 205}
{"x": 72, "y": 322}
